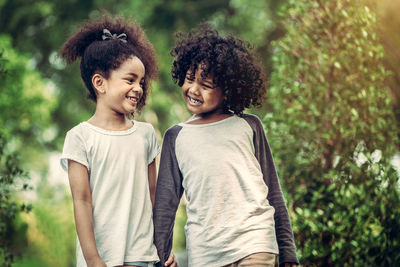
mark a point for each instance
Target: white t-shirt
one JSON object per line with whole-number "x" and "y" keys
{"x": 117, "y": 162}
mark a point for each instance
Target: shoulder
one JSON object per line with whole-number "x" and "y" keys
{"x": 171, "y": 134}
{"x": 77, "y": 130}
{"x": 253, "y": 120}
{"x": 251, "y": 117}
{"x": 77, "y": 137}
{"x": 173, "y": 131}
{"x": 144, "y": 126}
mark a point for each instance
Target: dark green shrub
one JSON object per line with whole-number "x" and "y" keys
{"x": 24, "y": 109}
{"x": 333, "y": 134}
{"x": 11, "y": 179}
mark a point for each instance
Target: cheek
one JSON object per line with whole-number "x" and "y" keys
{"x": 217, "y": 98}
{"x": 184, "y": 88}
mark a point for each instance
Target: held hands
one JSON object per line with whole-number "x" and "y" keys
{"x": 171, "y": 261}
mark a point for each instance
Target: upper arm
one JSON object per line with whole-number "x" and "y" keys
{"x": 79, "y": 181}
{"x": 74, "y": 149}
{"x": 263, "y": 154}
{"x": 152, "y": 174}
{"x": 169, "y": 176}
{"x": 153, "y": 147}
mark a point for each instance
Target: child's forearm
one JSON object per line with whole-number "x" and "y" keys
{"x": 152, "y": 174}
{"x": 84, "y": 228}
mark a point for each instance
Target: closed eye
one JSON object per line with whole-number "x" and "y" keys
{"x": 189, "y": 78}
{"x": 208, "y": 86}
{"x": 130, "y": 80}
{"x": 131, "y": 77}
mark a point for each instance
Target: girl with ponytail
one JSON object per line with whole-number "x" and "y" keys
{"x": 110, "y": 158}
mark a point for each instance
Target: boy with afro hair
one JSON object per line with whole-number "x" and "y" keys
{"x": 220, "y": 158}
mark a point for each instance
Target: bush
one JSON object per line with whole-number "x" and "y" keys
{"x": 333, "y": 134}
{"x": 25, "y": 108}
{"x": 11, "y": 176}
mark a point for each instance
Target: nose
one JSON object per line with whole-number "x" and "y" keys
{"x": 194, "y": 89}
{"x": 137, "y": 88}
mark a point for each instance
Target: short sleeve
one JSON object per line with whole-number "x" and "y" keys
{"x": 74, "y": 149}
{"x": 154, "y": 148}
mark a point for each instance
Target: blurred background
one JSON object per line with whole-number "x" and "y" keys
{"x": 332, "y": 117}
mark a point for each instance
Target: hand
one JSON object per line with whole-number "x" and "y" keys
{"x": 96, "y": 262}
{"x": 171, "y": 261}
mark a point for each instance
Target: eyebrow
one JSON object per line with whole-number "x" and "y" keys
{"x": 132, "y": 74}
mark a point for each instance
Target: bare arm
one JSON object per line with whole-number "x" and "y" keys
{"x": 82, "y": 198}
{"x": 152, "y": 174}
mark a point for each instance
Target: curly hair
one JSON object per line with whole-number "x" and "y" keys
{"x": 98, "y": 56}
{"x": 229, "y": 60}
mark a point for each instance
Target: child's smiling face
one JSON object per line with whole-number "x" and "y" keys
{"x": 202, "y": 97}
{"x": 123, "y": 89}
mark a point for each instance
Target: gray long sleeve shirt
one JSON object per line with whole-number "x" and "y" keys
{"x": 235, "y": 203}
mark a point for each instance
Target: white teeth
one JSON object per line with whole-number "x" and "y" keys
{"x": 194, "y": 101}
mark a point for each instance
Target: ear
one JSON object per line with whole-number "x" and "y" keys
{"x": 226, "y": 95}
{"x": 98, "y": 82}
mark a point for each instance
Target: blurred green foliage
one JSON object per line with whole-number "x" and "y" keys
{"x": 11, "y": 176}
{"x": 333, "y": 133}
{"x": 24, "y": 107}
{"x": 388, "y": 29}
{"x": 26, "y": 100}
{"x": 52, "y": 233}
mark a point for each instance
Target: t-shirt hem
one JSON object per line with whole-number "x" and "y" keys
{"x": 64, "y": 161}
{"x": 119, "y": 262}
{"x": 229, "y": 260}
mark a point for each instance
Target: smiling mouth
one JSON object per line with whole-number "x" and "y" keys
{"x": 194, "y": 102}
{"x": 133, "y": 99}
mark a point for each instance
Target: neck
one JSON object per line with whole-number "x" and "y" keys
{"x": 210, "y": 117}
{"x": 110, "y": 120}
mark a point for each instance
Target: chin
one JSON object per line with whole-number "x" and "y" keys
{"x": 192, "y": 110}
{"x": 131, "y": 109}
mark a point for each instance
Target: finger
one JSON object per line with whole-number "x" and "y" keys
{"x": 170, "y": 260}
